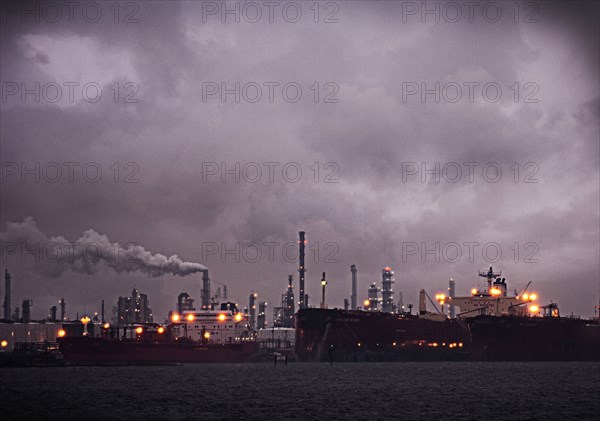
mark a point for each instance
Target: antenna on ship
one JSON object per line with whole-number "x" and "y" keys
{"x": 490, "y": 275}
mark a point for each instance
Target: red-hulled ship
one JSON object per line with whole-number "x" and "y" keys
{"x": 205, "y": 336}
{"x": 515, "y": 328}
{"x": 518, "y": 338}
{"x": 491, "y": 326}
{"x": 347, "y": 335}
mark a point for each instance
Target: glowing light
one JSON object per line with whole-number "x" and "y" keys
{"x": 190, "y": 317}
{"x": 526, "y": 297}
{"x": 366, "y": 302}
{"x": 106, "y": 325}
{"x": 394, "y": 344}
{"x": 139, "y": 330}
{"x": 61, "y": 333}
{"x": 221, "y": 317}
{"x": 323, "y": 282}
{"x": 161, "y": 330}
{"x": 533, "y": 297}
{"x": 4, "y": 344}
{"x": 85, "y": 320}
{"x": 495, "y": 291}
{"x": 175, "y": 317}
{"x": 206, "y": 335}
{"x": 359, "y": 344}
{"x": 474, "y": 291}
{"x": 534, "y": 309}
{"x": 238, "y": 317}
{"x": 460, "y": 344}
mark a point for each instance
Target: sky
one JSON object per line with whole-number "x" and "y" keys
{"x": 207, "y": 134}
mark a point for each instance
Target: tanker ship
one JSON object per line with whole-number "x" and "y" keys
{"x": 204, "y": 336}
{"x": 490, "y": 326}
{"x": 379, "y": 332}
{"x": 515, "y": 328}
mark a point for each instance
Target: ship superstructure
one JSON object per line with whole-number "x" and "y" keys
{"x": 222, "y": 326}
{"x": 493, "y": 299}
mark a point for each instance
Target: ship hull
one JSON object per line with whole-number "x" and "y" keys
{"x": 343, "y": 335}
{"x": 514, "y": 338}
{"x": 105, "y": 350}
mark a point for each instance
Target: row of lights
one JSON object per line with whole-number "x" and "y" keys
{"x": 175, "y": 317}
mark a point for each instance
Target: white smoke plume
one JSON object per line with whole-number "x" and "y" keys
{"x": 53, "y": 256}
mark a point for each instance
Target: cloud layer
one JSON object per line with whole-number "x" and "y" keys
{"x": 542, "y": 133}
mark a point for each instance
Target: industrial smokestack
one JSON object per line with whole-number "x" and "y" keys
{"x": 205, "y": 293}
{"x": 353, "y": 297}
{"x": 7, "y": 307}
{"x": 103, "y": 321}
{"x": 85, "y": 254}
{"x": 301, "y": 270}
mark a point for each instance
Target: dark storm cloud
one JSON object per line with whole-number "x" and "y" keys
{"x": 371, "y": 211}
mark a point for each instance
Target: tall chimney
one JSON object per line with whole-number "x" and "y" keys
{"x": 353, "y": 297}
{"x": 103, "y": 321}
{"x": 301, "y": 270}
{"x": 7, "y": 307}
{"x": 205, "y": 293}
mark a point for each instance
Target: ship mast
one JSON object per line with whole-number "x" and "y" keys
{"x": 490, "y": 275}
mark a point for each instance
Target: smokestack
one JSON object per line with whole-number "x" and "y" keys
{"x": 346, "y": 305}
{"x": 323, "y": 285}
{"x": 353, "y": 297}
{"x": 7, "y": 307}
{"x": 62, "y": 309}
{"x": 224, "y": 292}
{"x": 53, "y": 313}
{"x": 451, "y": 292}
{"x": 103, "y": 321}
{"x": 302, "y": 270}
{"x": 205, "y": 293}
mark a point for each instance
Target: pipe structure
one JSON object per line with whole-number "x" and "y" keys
{"x": 205, "y": 293}
{"x": 7, "y": 285}
{"x": 354, "y": 296}
{"x": 301, "y": 269}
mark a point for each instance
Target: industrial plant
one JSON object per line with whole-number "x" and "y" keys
{"x": 380, "y": 329}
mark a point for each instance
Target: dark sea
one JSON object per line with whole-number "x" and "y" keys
{"x": 300, "y": 391}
